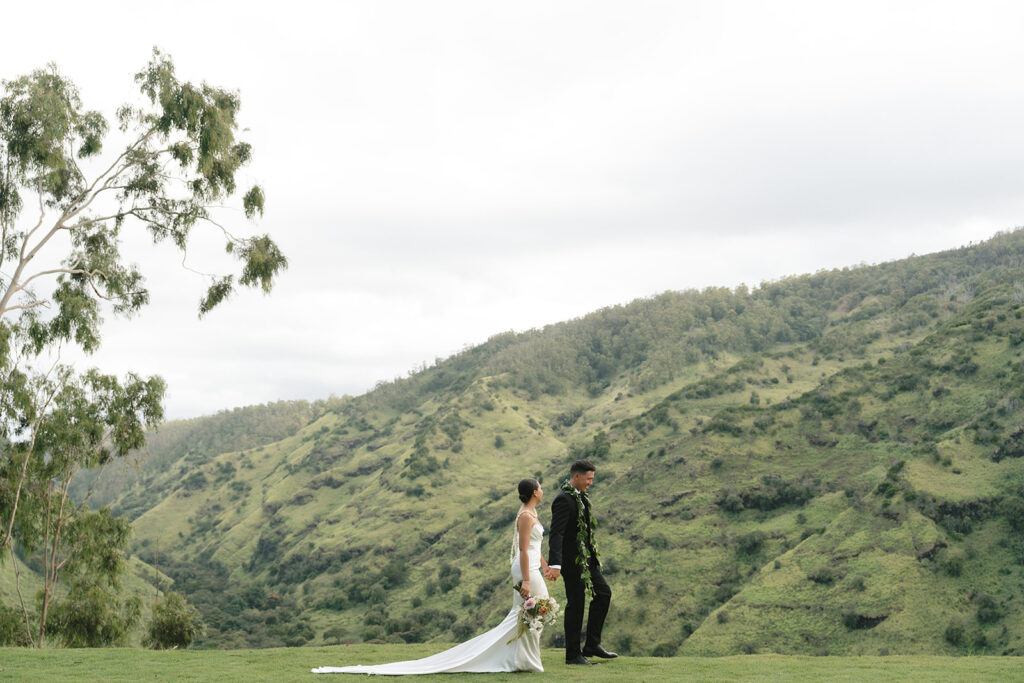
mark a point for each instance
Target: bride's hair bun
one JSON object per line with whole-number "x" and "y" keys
{"x": 526, "y": 489}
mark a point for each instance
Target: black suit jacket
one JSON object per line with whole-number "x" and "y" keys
{"x": 562, "y": 546}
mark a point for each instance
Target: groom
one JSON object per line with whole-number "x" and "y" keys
{"x": 572, "y": 552}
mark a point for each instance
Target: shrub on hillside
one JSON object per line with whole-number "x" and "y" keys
{"x": 1012, "y": 446}
{"x": 175, "y": 623}
{"x": 961, "y": 524}
{"x": 93, "y": 616}
{"x": 372, "y": 633}
{"x": 988, "y": 609}
{"x": 750, "y": 543}
{"x": 954, "y": 565}
{"x": 955, "y": 633}
{"x": 887, "y": 488}
{"x": 420, "y": 462}
{"x": 855, "y": 621}
{"x": 823, "y": 575}
{"x": 335, "y": 635}
{"x": 297, "y": 633}
{"x": 405, "y": 629}
{"x": 463, "y": 630}
{"x": 723, "y": 425}
{"x": 193, "y": 482}
{"x": 773, "y": 492}
{"x": 12, "y": 628}
{"x": 595, "y": 451}
{"x": 1013, "y": 511}
{"x": 448, "y": 577}
{"x": 567, "y": 419}
{"x": 729, "y": 500}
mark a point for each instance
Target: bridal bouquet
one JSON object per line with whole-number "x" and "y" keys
{"x": 534, "y": 613}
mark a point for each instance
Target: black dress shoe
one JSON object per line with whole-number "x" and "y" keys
{"x": 599, "y": 651}
{"x": 580, "y": 659}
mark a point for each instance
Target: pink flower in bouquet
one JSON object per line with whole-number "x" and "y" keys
{"x": 529, "y": 604}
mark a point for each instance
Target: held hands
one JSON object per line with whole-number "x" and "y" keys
{"x": 551, "y": 574}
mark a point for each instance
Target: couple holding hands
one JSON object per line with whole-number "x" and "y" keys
{"x": 572, "y": 555}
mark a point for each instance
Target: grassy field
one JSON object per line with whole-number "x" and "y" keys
{"x": 293, "y": 664}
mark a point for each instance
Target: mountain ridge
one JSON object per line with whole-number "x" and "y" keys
{"x": 745, "y": 440}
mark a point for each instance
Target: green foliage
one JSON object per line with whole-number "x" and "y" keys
{"x": 83, "y": 421}
{"x": 1013, "y": 511}
{"x": 954, "y": 565}
{"x": 177, "y": 168}
{"x": 723, "y": 425}
{"x": 750, "y": 543}
{"x": 956, "y": 633}
{"x": 420, "y": 462}
{"x": 94, "y": 615}
{"x": 595, "y": 451}
{"x": 856, "y": 621}
{"x": 448, "y": 577}
{"x": 133, "y": 480}
{"x": 989, "y": 610}
{"x": 773, "y": 492}
{"x": 175, "y": 623}
{"x": 1012, "y": 446}
{"x": 183, "y": 157}
{"x": 12, "y": 628}
{"x": 567, "y": 419}
{"x": 824, "y": 575}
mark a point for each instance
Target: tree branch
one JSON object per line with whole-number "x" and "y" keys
{"x": 184, "y": 255}
{"x": 23, "y": 307}
{"x": 28, "y": 235}
{"x": 21, "y": 598}
{"x": 28, "y": 454}
{"x": 89, "y": 491}
{"x": 64, "y": 271}
{"x": 224, "y": 230}
{"x": 121, "y": 157}
{"x": 6, "y": 218}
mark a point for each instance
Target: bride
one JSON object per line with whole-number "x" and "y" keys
{"x": 491, "y": 651}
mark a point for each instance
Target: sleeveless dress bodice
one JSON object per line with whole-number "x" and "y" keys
{"x": 536, "y": 536}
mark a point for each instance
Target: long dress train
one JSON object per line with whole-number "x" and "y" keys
{"x": 487, "y": 652}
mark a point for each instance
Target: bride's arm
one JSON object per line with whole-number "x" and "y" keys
{"x": 524, "y": 524}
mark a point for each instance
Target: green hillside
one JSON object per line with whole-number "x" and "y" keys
{"x": 829, "y": 463}
{"x": 180, "y": 445}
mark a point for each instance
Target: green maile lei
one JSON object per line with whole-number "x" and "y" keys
{"x": 581, "y": 535}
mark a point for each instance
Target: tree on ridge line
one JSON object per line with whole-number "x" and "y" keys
{"x": 177, "y": 167}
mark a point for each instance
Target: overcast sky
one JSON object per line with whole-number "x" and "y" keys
{"x": 438, "y": 172}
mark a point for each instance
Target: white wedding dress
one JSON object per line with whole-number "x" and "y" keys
{"x": 488, "y": 652}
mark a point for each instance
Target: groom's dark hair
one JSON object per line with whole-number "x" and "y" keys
{"x": 582, "y": 466}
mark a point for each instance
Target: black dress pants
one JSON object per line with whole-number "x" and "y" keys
{"x": 576, "y": 596}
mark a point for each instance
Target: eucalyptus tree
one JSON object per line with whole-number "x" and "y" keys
{"x": 65, "y": 205}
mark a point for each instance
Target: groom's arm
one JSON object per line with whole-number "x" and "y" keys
{"x": 559, "y": 520}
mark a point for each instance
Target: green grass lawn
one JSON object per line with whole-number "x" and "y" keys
{"x": 293, "y": 664}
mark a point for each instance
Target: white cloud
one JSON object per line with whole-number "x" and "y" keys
{"x": 440, "y": 172}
